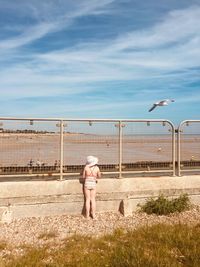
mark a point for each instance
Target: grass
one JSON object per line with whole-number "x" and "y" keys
{"x": 155, "y": 246}
{"x": 47, "y": 235}
{"x": 3, "y": 245}
{"x": 165, "y": 206}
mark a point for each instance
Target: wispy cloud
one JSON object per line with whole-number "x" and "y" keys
{"x": 53, "y": 21}
{"x": 172, "y": 44}
{"x": 178, "y": 26}
{"x": 28, "y": 36}
{"x": 149, "y": 62}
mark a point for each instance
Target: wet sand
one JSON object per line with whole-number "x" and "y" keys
{"x": 18, "y": 149}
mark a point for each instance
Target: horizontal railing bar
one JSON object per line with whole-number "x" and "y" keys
{"x": 29, "y": 175}
{"x": 192, "y": 171}
{"x": 185, "y": 121}
{"x": 88, "y": 119}
{"x": 78, "y": 173}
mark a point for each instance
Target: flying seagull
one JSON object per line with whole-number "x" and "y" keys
{"x": 161, "y": 103}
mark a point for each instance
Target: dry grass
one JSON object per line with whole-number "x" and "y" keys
{"x": 47, "y": 235}
{"x": 3, "y": 245}
{"x": 155, "y": 246}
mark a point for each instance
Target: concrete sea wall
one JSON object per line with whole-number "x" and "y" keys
{"x": 45, "y": 198}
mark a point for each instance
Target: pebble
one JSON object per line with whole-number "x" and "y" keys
{"x": 38, "y": 231}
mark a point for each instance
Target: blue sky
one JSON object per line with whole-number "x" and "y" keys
{"x": 100, "y": 59}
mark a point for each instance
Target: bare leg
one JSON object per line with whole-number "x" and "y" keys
{"x": 87, "y": 202}
{"x": 93, "y": 202}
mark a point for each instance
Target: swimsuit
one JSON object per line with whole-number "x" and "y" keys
{"x": 90, "y": 181}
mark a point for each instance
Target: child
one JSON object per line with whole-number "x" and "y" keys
{"x": 90, "y": 174}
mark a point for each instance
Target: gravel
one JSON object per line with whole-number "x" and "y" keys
{"x": 55, "y": 229}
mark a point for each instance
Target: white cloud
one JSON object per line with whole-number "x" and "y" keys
{"x": 178, "y": 35}
{"x": 53, "y": 18}
{"x": 173, "y": 44}
{"x": 178, "y": 26}
{"x": 29, "y": 35}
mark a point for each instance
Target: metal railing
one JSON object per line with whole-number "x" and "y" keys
{"x": 58, "y": 147}
{"x": 188, "y": 147}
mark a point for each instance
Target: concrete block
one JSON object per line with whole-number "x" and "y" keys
{"x": 44, "y": 198}
{"x": 126, "y": 207}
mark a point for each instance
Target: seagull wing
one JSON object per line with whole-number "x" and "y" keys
{"x": 152, "y": 108}
{"x": 163, "y": 102}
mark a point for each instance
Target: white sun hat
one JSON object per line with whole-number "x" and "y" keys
{"x": 91, "y": 161}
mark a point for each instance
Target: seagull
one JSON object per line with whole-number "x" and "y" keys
{"x": 161, "y": 103}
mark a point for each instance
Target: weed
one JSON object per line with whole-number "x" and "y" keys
{"x": 47, "y": 235}
{"x": 164, "y": 206}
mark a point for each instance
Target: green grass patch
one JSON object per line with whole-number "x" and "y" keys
{"x": 155, "y": 246}
{"x": 165, "y": 206}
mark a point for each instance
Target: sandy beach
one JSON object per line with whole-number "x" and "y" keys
{"x": 18, "y": 149}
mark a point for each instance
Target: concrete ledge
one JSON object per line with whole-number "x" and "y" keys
{"x": 45, "y": 198}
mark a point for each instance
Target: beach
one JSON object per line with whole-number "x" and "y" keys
{"x": 19, "y": 149}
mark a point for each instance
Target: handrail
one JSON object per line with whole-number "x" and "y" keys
{"x": 178, "y": 142}
{"x": 119, "y": 122}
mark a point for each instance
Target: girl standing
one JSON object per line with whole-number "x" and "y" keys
{"x": 90, "y": 174}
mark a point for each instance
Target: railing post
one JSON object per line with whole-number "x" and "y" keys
{"x": 120, "y": 149}
{"x": 173, "y": 152}
{"x": 178, "y": 151}
{"x": 61, "y": 150}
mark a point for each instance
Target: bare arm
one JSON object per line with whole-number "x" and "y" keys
{"x": 98, "y": 173}
{"x": 84, "y": 174}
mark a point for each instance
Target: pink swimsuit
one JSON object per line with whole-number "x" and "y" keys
{"x": 90, "y": 181}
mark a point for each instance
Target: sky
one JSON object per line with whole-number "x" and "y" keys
{"x": 100, "y": 59}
